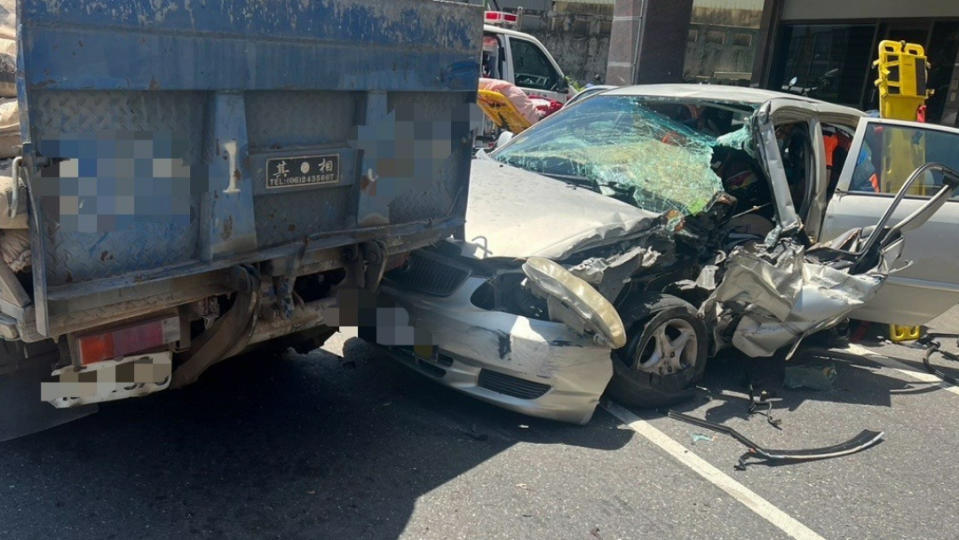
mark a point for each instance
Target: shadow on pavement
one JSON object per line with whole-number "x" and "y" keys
{"x": 297, "y": 447}
{"x": 858, "y": 382}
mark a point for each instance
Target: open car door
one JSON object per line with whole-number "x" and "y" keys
{"x": 785, "y": 292}
{"x": 797, "y": 127}
{"x": 883, "y": 155}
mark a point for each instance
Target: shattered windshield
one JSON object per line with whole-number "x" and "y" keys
{"x": 621, "y": 147}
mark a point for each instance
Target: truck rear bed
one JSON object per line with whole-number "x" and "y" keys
{"x": 164, "y": 146}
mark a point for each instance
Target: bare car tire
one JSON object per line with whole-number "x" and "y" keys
{"x": 665, "y": 354}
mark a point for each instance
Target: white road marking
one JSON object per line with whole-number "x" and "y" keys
{"x": 741, "y": 493}
{"x": 905, "y": 369}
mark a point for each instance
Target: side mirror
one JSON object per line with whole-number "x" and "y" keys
{"x": 793, "y": 81}
{"x": 504, "y": 138}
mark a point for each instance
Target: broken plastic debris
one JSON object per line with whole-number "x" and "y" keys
{"x": 699, "y": 437}
{"x": 814, "y": 376}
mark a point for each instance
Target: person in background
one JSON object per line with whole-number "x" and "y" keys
{"x": 865, "y": 177}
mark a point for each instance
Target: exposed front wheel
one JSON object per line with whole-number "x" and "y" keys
{"x": 665, "y": 354}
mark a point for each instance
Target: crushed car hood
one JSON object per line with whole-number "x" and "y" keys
{"x": 513, "y": 213}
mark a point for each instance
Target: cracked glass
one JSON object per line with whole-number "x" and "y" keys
{"x": 622, "y": 148}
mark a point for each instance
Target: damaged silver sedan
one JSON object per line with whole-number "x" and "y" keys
{"x": 495, "y": 317}
{"x": 622, "y": 242}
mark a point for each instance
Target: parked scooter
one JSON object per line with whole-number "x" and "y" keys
{"x": 822, "y": 83}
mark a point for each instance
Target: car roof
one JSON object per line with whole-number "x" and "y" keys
{"x": 718, "y": 92}
{"x": 493, "y": 29}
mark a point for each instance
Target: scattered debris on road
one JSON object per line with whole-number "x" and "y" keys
{"x": 757, "y": 402}
{"x": 813, "y": 376}
{"x": 931, "y": 346}
{"x": 699, "y": 437}
{"x": 860, "y": 442}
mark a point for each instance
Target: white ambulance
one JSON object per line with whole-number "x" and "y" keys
{"x": 521, "y": 59}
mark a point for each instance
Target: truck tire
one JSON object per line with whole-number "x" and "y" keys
{"x": 665, "y": 354}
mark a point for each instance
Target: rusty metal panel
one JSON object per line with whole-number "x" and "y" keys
{"x": 121, "y": 190}
{"x": 251, "y": 44}
{"x": 152, "y": 131}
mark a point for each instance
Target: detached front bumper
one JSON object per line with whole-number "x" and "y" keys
{"x": 539, "y": 368}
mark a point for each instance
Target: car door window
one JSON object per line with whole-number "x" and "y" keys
{"x": 836, "y": 142}
{"x": 883, "y": 155}
{"x": 531, "y": 68}
{"x": 492, "y": 56}
{"x": 891, "y": 152}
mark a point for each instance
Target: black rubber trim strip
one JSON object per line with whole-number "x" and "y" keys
{"x": 931, "y": 347}
{"x": 860, "y": 442}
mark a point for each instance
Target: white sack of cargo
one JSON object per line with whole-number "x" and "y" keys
{"x": 15, "y": 248}
{"x": 8, "y": 48}
{"x": 8, "y": 68}
{"x": 7, "y": 185}
{"x": 6, "y": 195}
{"x": 8, "y": 19}
{"x": 9, "y": 128}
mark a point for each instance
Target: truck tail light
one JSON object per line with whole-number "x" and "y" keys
{"x": 133, "y": 338}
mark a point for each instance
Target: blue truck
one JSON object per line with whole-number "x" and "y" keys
{"x": 204, "y": 178}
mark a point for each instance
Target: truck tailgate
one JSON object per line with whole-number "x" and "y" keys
{"x": 163, "y": 144}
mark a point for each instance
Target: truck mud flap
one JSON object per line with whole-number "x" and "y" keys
{"x": 860, "y": 442}
{"x": 21, "y": 410}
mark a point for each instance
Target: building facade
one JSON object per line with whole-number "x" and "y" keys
{"x": 828, "y": 47}
{"x": 722, "y": 41}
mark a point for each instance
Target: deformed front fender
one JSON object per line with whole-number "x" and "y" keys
{"x": 575, "y": 302}
{"x": 782, "y": 299}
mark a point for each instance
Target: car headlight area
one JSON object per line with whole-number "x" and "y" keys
{"x": 471, "y": 341}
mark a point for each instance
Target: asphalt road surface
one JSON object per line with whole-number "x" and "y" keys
{"x": 315, "y": 446}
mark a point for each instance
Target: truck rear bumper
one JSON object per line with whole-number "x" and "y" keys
{"x": 96, "y": 303}
{"x": 109, "y": 380}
